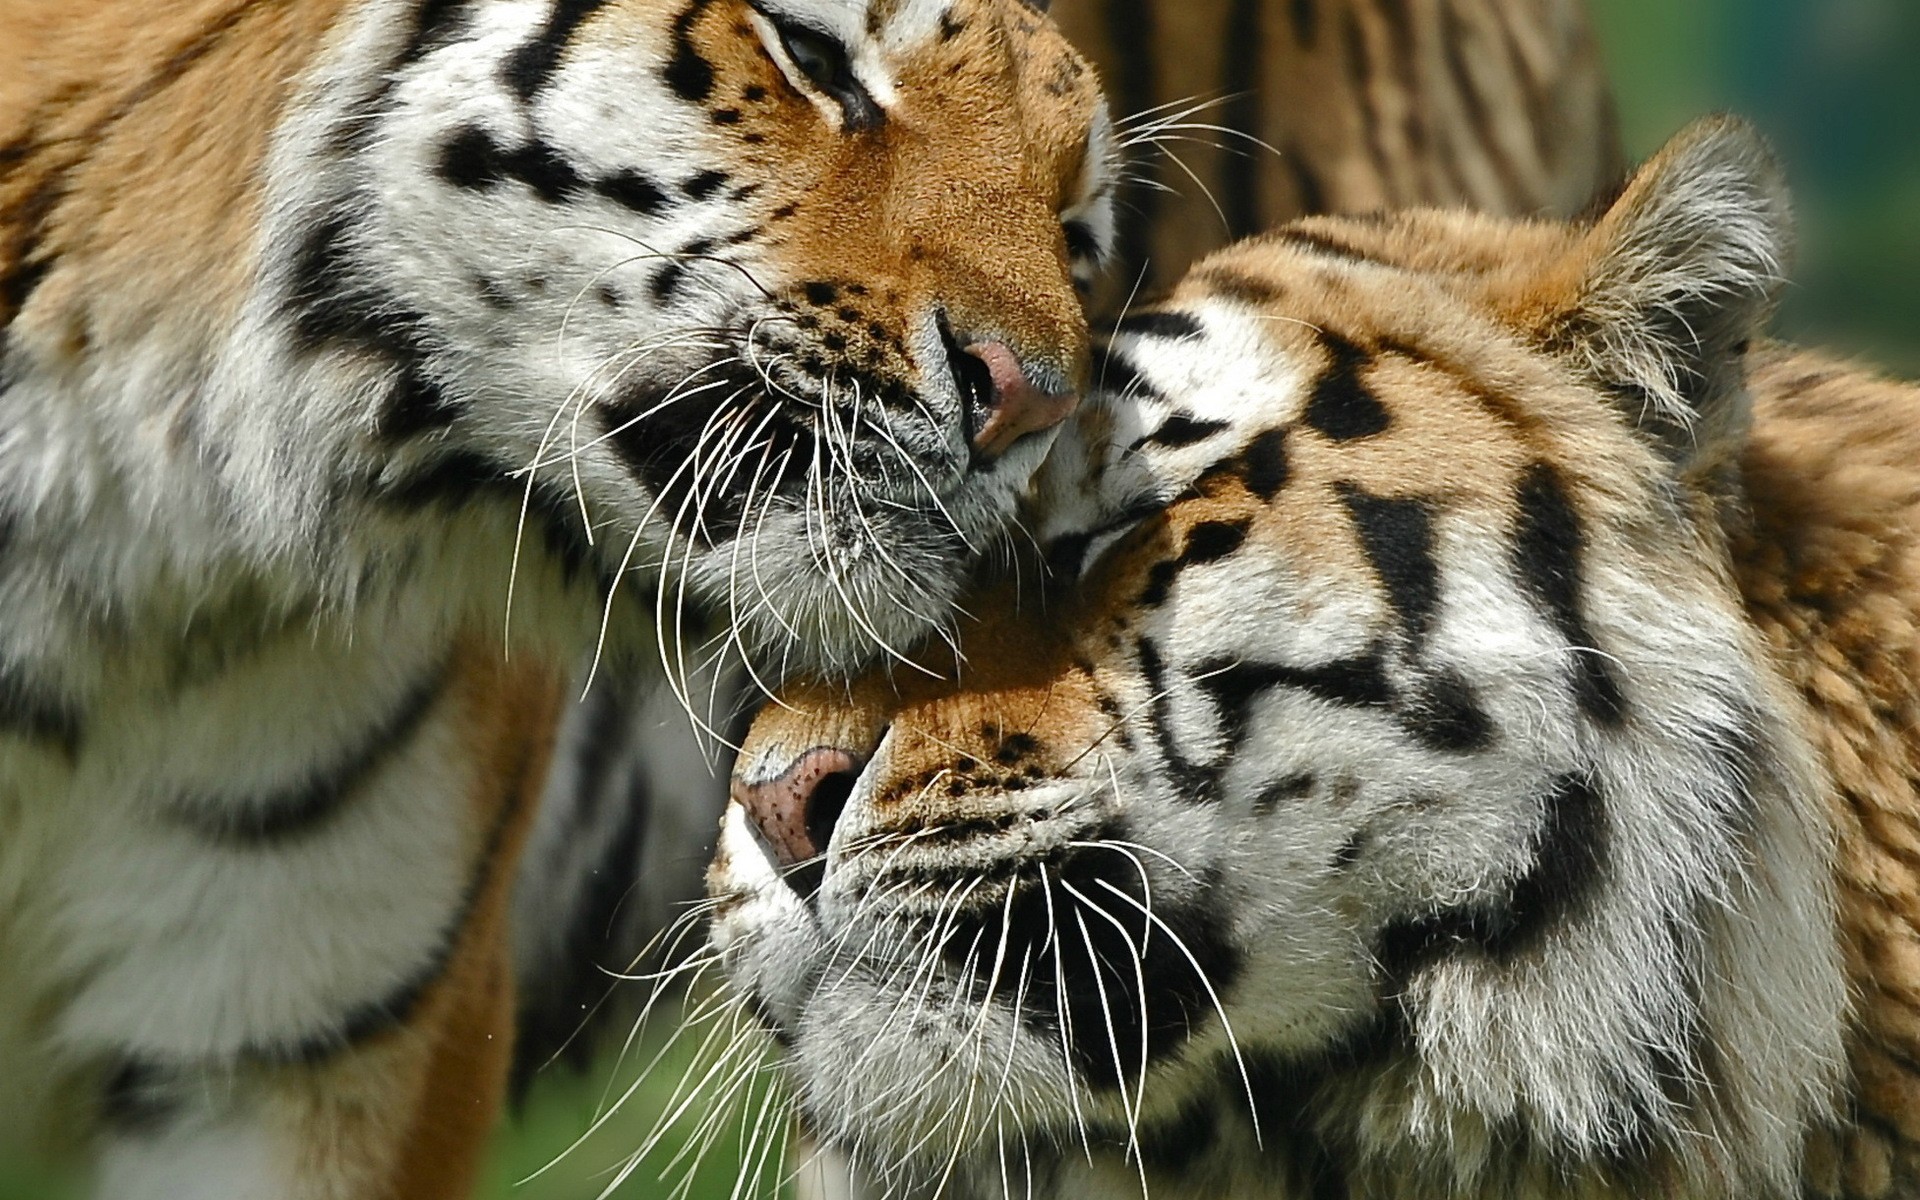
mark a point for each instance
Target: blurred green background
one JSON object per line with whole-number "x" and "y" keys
{"x": 1835, "y": 83}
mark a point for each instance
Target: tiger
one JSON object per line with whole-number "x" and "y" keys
{"x": 366, "y": 363}
{"x": 1239, "y": 116}
{"x": 1461, "y": 746}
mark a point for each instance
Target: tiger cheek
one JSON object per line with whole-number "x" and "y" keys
{"x": 950, "y": 204}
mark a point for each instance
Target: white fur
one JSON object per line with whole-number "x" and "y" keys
{"x": 1711, "y": 924}
{"x": 201, "y": 568}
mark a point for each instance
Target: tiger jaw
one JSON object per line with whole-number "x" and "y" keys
{"x": 1015, "y": 931}
{"x": 823, "y": 592}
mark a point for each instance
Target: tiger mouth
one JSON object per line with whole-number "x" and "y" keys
{"x": 746, "y": 430}
{"x": 1055, "y": 925}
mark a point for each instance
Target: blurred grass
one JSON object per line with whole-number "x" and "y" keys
{"x": 1834, "y": 84}
{"x": 25, "y": 1183}
{"x": 538, "y": 1141}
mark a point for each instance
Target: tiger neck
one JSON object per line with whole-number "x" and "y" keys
{"x": 174, "y": 459}
{"x": 1829, "y": 562}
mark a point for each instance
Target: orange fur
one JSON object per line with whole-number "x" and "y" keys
{"x": 970, "y": 202}
{"x": 1830, "y": 566}
{"x": 132, "y": 137}
{"x": 407, "y": 1116}
{"x": 1822, "y": 519}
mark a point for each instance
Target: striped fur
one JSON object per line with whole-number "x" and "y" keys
{"x": 362, "y": 359}
{"x": 1499, "y": 105}
{"x": 1464, "y": 750}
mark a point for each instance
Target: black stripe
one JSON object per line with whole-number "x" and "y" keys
{"x": 452, "y": 482}
{"x": 1289, "y": 1091}
{"x": 1209, "y": 541}
{"x": 1176, "y": 1145}
{"x": 1131, "y": 37}
{"x": 333, "y": 305}
{"x": 530, "y": 67}
{"x": 362, "y": 1022}
{"x": 1166, "y": 323}
{"x": 1568, "y": 860}
{"x": 1264, "y": 464}
{"x": 1117, "y": 374}
{"x": 1180, "y": 430}
{"x": 434, "y": 24}
{"x": 687, "y": 73}
{"x": 1446, "y": 715}
{"x": 472, "y": 159}
{"x": 1548, "y": 546}
{"x": 1400, "y": 47}
{"x": 1342, "y": 407}
{"x": 704, "y": 184}
{"x": 655, "y": 433}
{"x": 1241, "y": 62}
{"x": 1360, "y": 74}
{"x": 1113, "y": 1022}
{"x": 1272, "y": 796}
{"x": 1359, "y": 682}
{"x": 1397, "y": 535}
{"x": 138, "y": 1098}
{"x": 1239, "y": 286}
{"x": 1320, "y": 243}
{"x": 302, "y": 809}
{"x": 1305, "y": 16}
{"x": 1234, "y": 688}
{"x": 1540, "y": 105}
{"x": 1066, "y": 554}
{"x": 29, "y": 222}
{"x": 1480, "y": 118}
{"x": 575, "y": 982}
{"x": 415, "y": 404}
{"x": 1306, "y": 185}
{"x": 26, "y": 711}
{"x": 1193, "y": 781}
{"x": 1082, "y": 244}
{"x": 633, "y": 190}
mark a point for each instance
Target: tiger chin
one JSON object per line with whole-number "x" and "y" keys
{"x": 363, "y": 362}
{"x": 1463, "y": 750}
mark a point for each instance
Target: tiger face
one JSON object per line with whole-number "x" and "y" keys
{"x": 777, "y": 287}
{"x": 762, "y": 298}
{"x": 1389, "y": 795}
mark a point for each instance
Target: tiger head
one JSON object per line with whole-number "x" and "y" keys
{"x": 1389, "y": 794}
{"x": 776, "y": 288}
{"x": 764, "y": 296}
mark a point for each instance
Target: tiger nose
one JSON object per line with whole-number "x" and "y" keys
{"x": 797, "y": 811}
{"x": 1004, "y": 404}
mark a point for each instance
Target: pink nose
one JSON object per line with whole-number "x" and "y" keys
{"x": 796, "y": 813}
{"x": 1019, "y": 408}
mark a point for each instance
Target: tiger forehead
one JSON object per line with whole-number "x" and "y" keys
{"x": 1381, "y": 447}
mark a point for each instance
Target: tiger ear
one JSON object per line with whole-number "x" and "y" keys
{"x": 1665, "y": 290}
